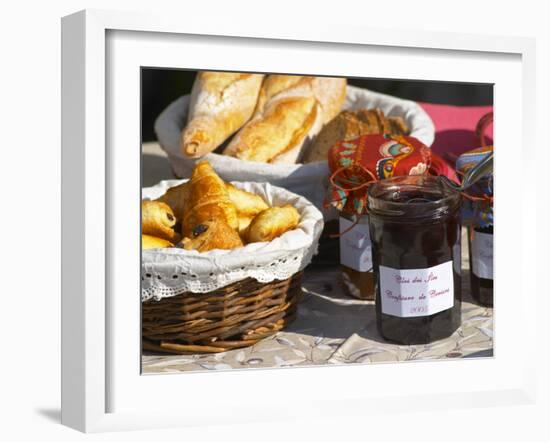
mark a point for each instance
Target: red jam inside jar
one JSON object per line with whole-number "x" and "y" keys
{"x": 415, "y": 232}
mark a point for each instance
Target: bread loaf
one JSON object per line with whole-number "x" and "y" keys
{"x": 352, "y": 124}
{"x": 221, "y": 102}
{"x": 289, "y": 112}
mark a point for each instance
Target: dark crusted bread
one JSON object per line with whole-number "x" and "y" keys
{"x": 351, "y": 124}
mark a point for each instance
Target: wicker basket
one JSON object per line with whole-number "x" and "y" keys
{"x": 235, "y": 316}
{"x": 303, "y": 179}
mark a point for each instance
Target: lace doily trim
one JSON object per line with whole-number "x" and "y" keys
{"x": 171, "y": 272}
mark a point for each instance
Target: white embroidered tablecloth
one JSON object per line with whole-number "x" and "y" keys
{"x": 332, "y": 328}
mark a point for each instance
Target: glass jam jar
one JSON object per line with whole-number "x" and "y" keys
{"x": 356, "y": 256}
{"x": 415, "y": 232}
{"x": 480, "y": 244}
{"x": 477, "y": 214}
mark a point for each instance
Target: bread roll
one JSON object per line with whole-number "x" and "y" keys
{"x": 272, "y": 223}
{"x": 221, "y": 102}
{"x": 290, "y": 111}
{"x": 207, "y": 199}
{"x": 152, "y": 242}
{"x": 157, "y": 219}
{"x": 398, "y": 126}
{"x": 212, "y": 234}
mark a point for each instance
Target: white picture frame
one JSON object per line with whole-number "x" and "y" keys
{"x": 93, "y": 237}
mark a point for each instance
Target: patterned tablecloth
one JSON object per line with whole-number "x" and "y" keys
{"x": 332, "y": 328}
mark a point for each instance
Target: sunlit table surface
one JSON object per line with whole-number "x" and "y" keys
{"x": 331, "y": 327}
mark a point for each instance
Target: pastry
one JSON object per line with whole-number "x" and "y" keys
{"x": 221, "y": 102}
{"x": 207, "y": 198}
{"x": 175, "y": 197}
{"x": 290, "y": 111}
{"x": 352, "y": 124}
{"x": 152, "y": 242}
{"x": 157, "y": 219}
{"x": 247, "y": 204}
{"x": 212, "y": 234}
{"x": 244, "y": 222}
{"x": 272, "y": 223}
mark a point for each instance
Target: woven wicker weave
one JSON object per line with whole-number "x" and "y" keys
{"x": 238, "y": 315}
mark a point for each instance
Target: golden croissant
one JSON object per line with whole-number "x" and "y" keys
{"x": 272, "y": 223}
{"x": 207, "y": 199}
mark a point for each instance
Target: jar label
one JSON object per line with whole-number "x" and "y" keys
{"x": 355, "y": 245}
{"x": 416, "y": 292}
{"x": 482, "y": 255}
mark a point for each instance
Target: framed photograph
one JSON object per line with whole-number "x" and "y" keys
{"x": 258, "y": 216}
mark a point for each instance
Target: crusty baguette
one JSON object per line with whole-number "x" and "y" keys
{"x": 284, "y": 124}
{"x": 221, "y": 102}
{"x": 290, "y": 111}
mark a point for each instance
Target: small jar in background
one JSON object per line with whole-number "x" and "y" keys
{"x": 480, "y": 243}
{"x": 356, "y": 256}
{"x": 354, "y": 165}
{"x": 477, "y": 215}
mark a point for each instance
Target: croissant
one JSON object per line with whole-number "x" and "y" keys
{"x": 221, "y": 102}
{"x": 244, "y": 222}
{"x": 212, "y": 234}
{"x": 152, "y": 242}
{"x": 247, "y": 204}
{"x": 175, "y": 197}
{"x": 272, "y": 223}
{"x": 207, "y": 199}
{"x": 157, "y": 219}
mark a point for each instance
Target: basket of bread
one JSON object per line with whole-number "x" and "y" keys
{"x": 221, "y": 262}
{"x": 278, "y": 128}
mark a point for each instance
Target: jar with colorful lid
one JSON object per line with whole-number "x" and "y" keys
{"x": 355, "y": 164}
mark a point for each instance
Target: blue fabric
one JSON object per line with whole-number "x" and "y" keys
{"x": 477, "y": 213}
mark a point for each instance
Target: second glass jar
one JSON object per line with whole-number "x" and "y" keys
{"x": 356, "y": 256}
